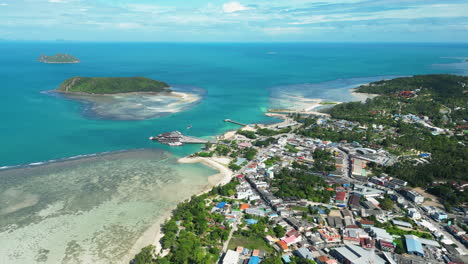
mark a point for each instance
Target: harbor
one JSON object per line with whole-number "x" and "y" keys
{"x": 176, "y": 138}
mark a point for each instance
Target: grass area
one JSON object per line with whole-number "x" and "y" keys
{"x": 300, "y": 208}
{"x": 400, "y": 232}
{"x": 328, "y": 103}
{"x": 250, "y": 243}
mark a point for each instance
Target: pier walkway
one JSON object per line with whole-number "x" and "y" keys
{"x": 193, "y": 140}
{"x": 234, "y": 122}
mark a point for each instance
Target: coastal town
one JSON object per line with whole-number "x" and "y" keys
{"x": 292, "y": 196}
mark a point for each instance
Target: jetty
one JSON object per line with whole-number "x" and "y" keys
{"x": 176, "y": 138}
{"x": 234, "y": 122}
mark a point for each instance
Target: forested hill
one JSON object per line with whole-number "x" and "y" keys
{"x": 113, "y": 85}
{"x": 442, "y": 97}
{"x": 443, "y": 88}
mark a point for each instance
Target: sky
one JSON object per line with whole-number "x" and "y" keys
{"x": 235, "y": 21}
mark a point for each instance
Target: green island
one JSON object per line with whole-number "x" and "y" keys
{"x": 299, "y": 181}
{"x": 58, "y": 58}
{"x": 112, "y": 85}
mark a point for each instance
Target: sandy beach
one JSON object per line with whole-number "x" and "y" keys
{"x": 362, "y": 97}
{"x": 154, "y": 233}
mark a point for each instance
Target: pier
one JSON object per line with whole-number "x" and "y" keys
{"x": 176, "y": 138}
{"x": 234, "y": 122}
{"x": 193, "y": 140}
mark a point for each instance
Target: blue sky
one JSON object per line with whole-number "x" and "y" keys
{"x": 241, "y": 20}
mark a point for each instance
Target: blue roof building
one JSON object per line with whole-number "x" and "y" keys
{"x": 413, "y": 245}
{"x": 254, "y": 260}
{"x": 286, "y": 259}
{"x": 221, "y": 205}
{"x": 251, "y": 221}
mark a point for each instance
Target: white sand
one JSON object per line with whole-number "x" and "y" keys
{"x": 154, "y": 233}
{"x": 361, "y": 96}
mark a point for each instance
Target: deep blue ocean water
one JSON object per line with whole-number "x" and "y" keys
{"x": 237, "y": 78}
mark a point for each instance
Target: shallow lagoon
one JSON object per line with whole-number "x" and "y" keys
{"x": 93, "y": 209}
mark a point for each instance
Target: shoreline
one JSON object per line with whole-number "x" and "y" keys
{"x": 361, "y": 97}
{"x": 154, "y": 233}
{"x": 224, "y": 174}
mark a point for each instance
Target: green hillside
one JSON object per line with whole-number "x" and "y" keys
{"x": 112, "y": 85}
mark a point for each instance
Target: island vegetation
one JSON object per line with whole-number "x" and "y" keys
{"x": 113, "y": 85}
{"x": 58, "y": 58}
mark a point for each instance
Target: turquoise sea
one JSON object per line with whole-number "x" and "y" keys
{"x": 94, "y": 209}
{"x": 36, "y": 127}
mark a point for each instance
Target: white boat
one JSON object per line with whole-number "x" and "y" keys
{"x": 175, "y": 144}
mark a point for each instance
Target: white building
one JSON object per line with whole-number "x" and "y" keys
{"x": 231, "y": 257}
{"x": 414, "y": 214}
{"x": 415, "y": 196}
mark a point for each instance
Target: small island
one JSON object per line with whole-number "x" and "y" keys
{"x": 58, "y": 58}
{"x": 113, "y": 85}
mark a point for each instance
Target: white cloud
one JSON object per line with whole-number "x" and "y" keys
{"x": 233, "y": 7}
{"x": 57, "y": 1}
{"x": 3, "y": 4}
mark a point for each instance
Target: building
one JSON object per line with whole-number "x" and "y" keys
{"x": 304, "y": 253}
{"x": 330, "y": 235}
{"x": 366, "y": 223}
{"x": 414, "y": 213}
{"x": 414, "y": 196}
{"x": 231, "y": 257}
{"x": 455, "y": 230}
{"x": 413, "y": 245}
{"x": 401, "y": 223}
{"x": 340, "y": 197}
{"x": 359, "y": 167}
{"x": 325, "y": 260}
{"x": 257, "y": 212}
{"x": 386, "y": 246}
{"x": 380, "y": 234}
{"x": 254, "y": 260}
{"x": 439, "y": 216}
{"x": 351, "y": 254}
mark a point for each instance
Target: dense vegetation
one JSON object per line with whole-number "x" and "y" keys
{"x": 301, "y": 184}
{"x": 443, "y": 99}
{"x": 193, "y": 234}
{"x": 112, "y": 85}
{"x": 58, "y": 58}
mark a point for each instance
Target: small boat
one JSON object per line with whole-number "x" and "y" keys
{"x": 153, "y": 138}
{"x": 175, "y": 144}
{"x": 189, "y": 126}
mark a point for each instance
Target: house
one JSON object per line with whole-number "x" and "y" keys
{"x": 254, "y": 260}
{"x": 352, "y": 254}
{"x": 330, "y": 235}
{"x": 413, "y": 245}
{"x": 380, "y": 234}
{"x": 244, "y": 206}
{"x": 439, "y": 216}
{"x": 386, "y": 246}
{"x": 304, "y": 253}
{"x": 414, "y": 196}
{"x": 366, "y": 223}
{"x": 257, "y": 212}
{"x": 325, "y": 260}
{"x": 455, "y": 230}
{"x": 340, "y": 197}
{"x": 401, "y": 223}
{"x": 282, "y": 245}
{"x": 414, "y": 213}
{"x": 231, "y": 257}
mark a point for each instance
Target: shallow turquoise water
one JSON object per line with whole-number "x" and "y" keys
{"x": 237, "y": 77}
{"x": 93, "y": 210}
